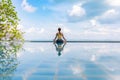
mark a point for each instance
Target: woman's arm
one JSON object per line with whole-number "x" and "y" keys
{"x": 64, "y": 38}
{"x": 55, "y": 38}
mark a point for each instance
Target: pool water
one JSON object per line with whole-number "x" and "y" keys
{"x": 71, "y": 61}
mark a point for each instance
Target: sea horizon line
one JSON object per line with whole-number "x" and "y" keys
{"x": 78, "y": 41}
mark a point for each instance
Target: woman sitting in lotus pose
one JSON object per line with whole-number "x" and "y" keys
{"x": 59, "y": 38}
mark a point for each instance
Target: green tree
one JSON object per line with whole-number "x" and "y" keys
{"x": 9, "y": 22}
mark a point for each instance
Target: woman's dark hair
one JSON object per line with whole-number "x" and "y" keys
{"x": 59, "y": 29}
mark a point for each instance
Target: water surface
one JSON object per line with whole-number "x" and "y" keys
{"x": 72, "y": 61}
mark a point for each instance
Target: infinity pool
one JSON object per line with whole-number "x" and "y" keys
{"x": 71, "y": 61}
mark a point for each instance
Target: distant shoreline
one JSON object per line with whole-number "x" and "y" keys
{"x": 80, "y": 41}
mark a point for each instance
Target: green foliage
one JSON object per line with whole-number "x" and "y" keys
{"x": 9, "y": 22}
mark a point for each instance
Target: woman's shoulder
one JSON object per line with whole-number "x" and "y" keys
{"x": 59, "y": 33}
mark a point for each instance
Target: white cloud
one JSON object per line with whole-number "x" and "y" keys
{"x": 35, "y": 30}
{"x": 102, "y": 29}
{"x": 64, "y": 28}
{"x": 34, "y": 33}
{"x": 110, "y": 16}
{"x": 93, "y": 22}
{"x": 110, "y": 13}
{"x": 90, "y": 30}
{"x": 113, "y": 2}
{"x": 77, "y": 11}
{"x": 27, "y": 7}
{"x": 96, "y": 31}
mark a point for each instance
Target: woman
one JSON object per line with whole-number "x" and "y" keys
{"x": 59, "y": 38}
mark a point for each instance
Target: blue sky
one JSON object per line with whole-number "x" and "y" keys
{"x": 79, "y": 19}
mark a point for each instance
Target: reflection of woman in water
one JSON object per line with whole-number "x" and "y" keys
{"x": 59, "y": 38}
{"x": 59, "y": 48}
{"x": 59, "y": 41}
